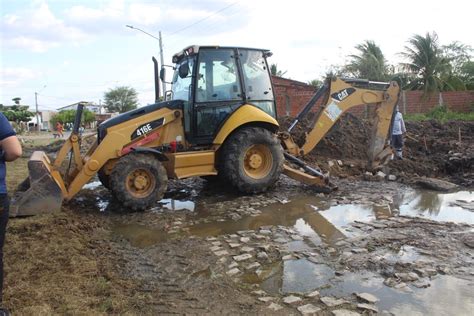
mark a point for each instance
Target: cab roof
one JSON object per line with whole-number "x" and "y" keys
{"x": 194, "y": 49}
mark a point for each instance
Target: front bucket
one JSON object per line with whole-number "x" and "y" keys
{"x": 39, "y": 193}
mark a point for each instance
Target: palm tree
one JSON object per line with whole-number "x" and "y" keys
{"x": 426, "y": 62}
{"x": 369, "y": 63}
{"x": 275, "y": 71}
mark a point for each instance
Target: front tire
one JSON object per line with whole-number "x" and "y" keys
{"x": 104, "y": 179}
{"x": 138, "y": 181}
{"x": 252, "y": 159}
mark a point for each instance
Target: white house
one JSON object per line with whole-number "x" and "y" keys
{"x": 96, "y": 108}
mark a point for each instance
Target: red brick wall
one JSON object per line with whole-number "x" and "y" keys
{"x": 291, "y": 96}
{"x": 457, "y": 101}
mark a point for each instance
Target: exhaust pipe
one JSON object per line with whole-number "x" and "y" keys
{"x": 157, "y": 80}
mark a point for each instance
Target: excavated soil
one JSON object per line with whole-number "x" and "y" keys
{"x": 432, "y": 149}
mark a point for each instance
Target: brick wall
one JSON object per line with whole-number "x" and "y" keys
{"x": 291, "y": 96}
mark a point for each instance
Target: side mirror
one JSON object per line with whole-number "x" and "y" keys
{"x": 162, "y": 74}
{"x": 183, "y": 70}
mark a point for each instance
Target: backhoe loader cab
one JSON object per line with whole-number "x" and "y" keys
{"x": 218, "y": 120}
{"x": 214, "y": 81}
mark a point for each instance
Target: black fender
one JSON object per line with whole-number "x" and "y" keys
{"x": 156, "y": 152}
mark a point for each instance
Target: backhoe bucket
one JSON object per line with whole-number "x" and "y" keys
{"x": 40, "y": 193}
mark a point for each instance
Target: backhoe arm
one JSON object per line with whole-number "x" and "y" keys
{"x": 340, "y": 95}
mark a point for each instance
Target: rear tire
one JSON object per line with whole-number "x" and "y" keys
{"x": 138, "y": 181}
{"x": 252, "y": 159}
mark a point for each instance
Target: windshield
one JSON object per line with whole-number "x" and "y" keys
{"x": 181, "y": 86}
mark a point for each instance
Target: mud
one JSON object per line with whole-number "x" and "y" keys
{"x": 431, "y": 149}
{"x": 370, "y": 247}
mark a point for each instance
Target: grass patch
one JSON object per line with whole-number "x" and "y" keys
{"x": 442, "y": 114}
{"x": 17, "y": 171}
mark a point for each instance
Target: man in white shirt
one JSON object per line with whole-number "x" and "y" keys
{"x": 398, "y": 128}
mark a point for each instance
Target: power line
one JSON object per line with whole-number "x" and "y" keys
{"x": 203, "y": 19}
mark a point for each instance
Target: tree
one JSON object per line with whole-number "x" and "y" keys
{"x": 68, "y": 116}
{"x": 466, "y": 74}
{"x": 426, "y": 62}
{"x": 16, "y": 100}
{"x": 275, "y": 72}
{"x": 315, "y": 83}
{"x": 18, "y": 113}
{"x": 121, "y": 99}
{"x": 369, "y": 63}
{"x": 458, "y": 55}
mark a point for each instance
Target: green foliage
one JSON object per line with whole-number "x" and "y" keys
{"x": 369, "y": 63}
{"x": 457, "y": 54}
{"x": 67, "y": 116}
{"x": 275, "y": 71}
{"x": 442, "y": 114}
{"x": 466, "y": 73}
{"x": 316, "y": 83}
{"x": 121, "y": 99}
{"x": 16, "y": 100}
{"x": 17, "y": 113}
{"x": 431, "y": 65}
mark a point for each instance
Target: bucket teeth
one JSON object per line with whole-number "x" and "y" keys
{"x": 38, "y": 194}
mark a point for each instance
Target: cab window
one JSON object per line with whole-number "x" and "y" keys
{"x": 258, "y": 86}
{"x": 218, "y": 78}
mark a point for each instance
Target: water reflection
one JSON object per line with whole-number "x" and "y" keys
{"x": 291, "y": 276}
{"x": 299, "y": 214}
{"x": 435, "y": 205}
{"x": 92, "y": 185}
{"x": 178, "y": 205}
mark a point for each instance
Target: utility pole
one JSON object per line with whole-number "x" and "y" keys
{"x": 37, "y": 113}
{"x": 163, "y": 83}
{"x": 161, "y": 51}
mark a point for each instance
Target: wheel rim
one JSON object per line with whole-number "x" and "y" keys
{"x": 140, "y": 183}
{"x": 258, "y": 161}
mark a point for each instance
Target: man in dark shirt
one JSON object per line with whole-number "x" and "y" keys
{"x": 10, "y": 149}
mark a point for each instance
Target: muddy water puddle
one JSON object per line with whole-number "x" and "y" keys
{"x": 321, "y": 221}
{"x": 140, "y": 236}
{"x": 312, "y": 217}
{"x": 446, "y": 295}
{"x": 455, "y": 207}
{"x": 309, "y": 216}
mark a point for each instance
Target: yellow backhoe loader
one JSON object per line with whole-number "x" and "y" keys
{"x": 218, "y": 119}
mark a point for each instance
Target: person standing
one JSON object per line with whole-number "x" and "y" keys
{"x": 10, "y": 149}
{"x": 398, "y": 129}
{"x": 59, "y": 129}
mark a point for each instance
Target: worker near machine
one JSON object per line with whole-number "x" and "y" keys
{"x": 59, "y": 129}
{"x": 10, "y": 149}
{"x": 398, "y": 129}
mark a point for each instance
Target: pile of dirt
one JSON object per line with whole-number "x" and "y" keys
{"x": 431, "y": 148}
{"x": 439, "y": 150}
{"x": 348, "y": 138}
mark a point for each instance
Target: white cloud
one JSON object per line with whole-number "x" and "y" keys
{"x": 112, "y": 9}
{"x": 144, "y": 14}
{"x": 38, "y": 30}
{"x": 11, "y": 77}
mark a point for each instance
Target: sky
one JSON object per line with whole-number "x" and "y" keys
{"x": 68, "y": 51}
